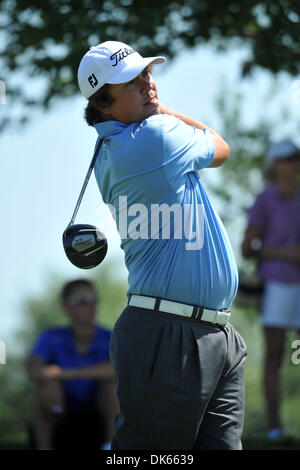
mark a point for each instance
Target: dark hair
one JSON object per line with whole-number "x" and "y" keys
{"x": 101, "y": 99}
{"x": 71, "y": 286}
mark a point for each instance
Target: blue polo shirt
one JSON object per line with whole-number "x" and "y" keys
{"x": 175, "y": 244}
{"x": 57, "y": 346}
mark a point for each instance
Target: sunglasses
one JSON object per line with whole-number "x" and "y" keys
{"x": 83, "y": 299}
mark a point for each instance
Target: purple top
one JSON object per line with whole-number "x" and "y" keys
{"x": 278, "y": 220}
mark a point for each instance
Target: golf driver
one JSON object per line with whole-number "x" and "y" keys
{"x": 84, "y": 245}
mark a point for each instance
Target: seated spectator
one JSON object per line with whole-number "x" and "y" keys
{"x": 74, "y": 403}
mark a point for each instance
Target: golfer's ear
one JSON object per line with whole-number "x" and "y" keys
{"x": 105, "y": 109}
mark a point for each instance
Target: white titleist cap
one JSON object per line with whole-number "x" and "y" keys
{"x": 282, "y": 149}
{"x": 110, "y": 62}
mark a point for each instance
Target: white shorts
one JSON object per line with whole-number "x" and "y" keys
{"x": 281, "y": 305}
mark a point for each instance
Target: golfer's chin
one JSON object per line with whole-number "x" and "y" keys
{"x": 151, "y": 109}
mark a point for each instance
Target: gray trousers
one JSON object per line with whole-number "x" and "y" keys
{"x": 180, "y": 383}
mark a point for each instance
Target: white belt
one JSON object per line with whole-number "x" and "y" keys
{"x": 218, "y": 317}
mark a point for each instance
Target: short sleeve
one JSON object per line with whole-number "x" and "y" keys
{"x": 186, "y": 147}
{"x": 42, "y": 346}
{"x": 166, "y": 141}
{"x": 160, "y": 142}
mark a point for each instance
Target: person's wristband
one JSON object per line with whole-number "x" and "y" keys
{"x": 57, "y": 409}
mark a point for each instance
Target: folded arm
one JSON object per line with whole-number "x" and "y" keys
{"x": 252, "y": 247}
{"x": 38, "y": 371}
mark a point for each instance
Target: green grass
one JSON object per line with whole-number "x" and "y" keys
{"x": 255, "y": 426}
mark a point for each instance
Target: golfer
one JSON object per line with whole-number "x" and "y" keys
{"x": 178, "y": 361}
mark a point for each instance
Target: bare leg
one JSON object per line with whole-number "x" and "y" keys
{"x": 46, "y": 395}
{"x": 274, "y": 352}
{"x": 108, "y": 406}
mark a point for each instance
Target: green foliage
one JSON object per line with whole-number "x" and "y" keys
{"x": 255, "y": 425}
{"x": 13, "y": 399}
{"x": 46, "y": 40}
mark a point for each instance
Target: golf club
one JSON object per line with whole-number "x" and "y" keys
{"x": 85, "y": 245}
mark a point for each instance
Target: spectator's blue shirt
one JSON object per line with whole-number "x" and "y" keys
{"x": 152, "y": 166}
{"x": 57, "y": 346}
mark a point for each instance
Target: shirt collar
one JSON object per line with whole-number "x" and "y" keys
{"x": 109, "y": 128}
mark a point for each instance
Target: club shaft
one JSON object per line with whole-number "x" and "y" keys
{"x": 85, "y": 183}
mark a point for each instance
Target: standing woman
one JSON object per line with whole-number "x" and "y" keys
{"x": 273, "y": 238}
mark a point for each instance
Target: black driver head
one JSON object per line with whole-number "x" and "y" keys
{"x": 84, "y": 245}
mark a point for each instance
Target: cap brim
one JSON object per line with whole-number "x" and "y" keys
{"x": 132, "y": 71}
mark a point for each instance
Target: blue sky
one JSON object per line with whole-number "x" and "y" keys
{"x": 43, "y": 167}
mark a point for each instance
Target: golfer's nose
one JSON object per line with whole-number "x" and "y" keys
{"x": 145, "y": 83}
